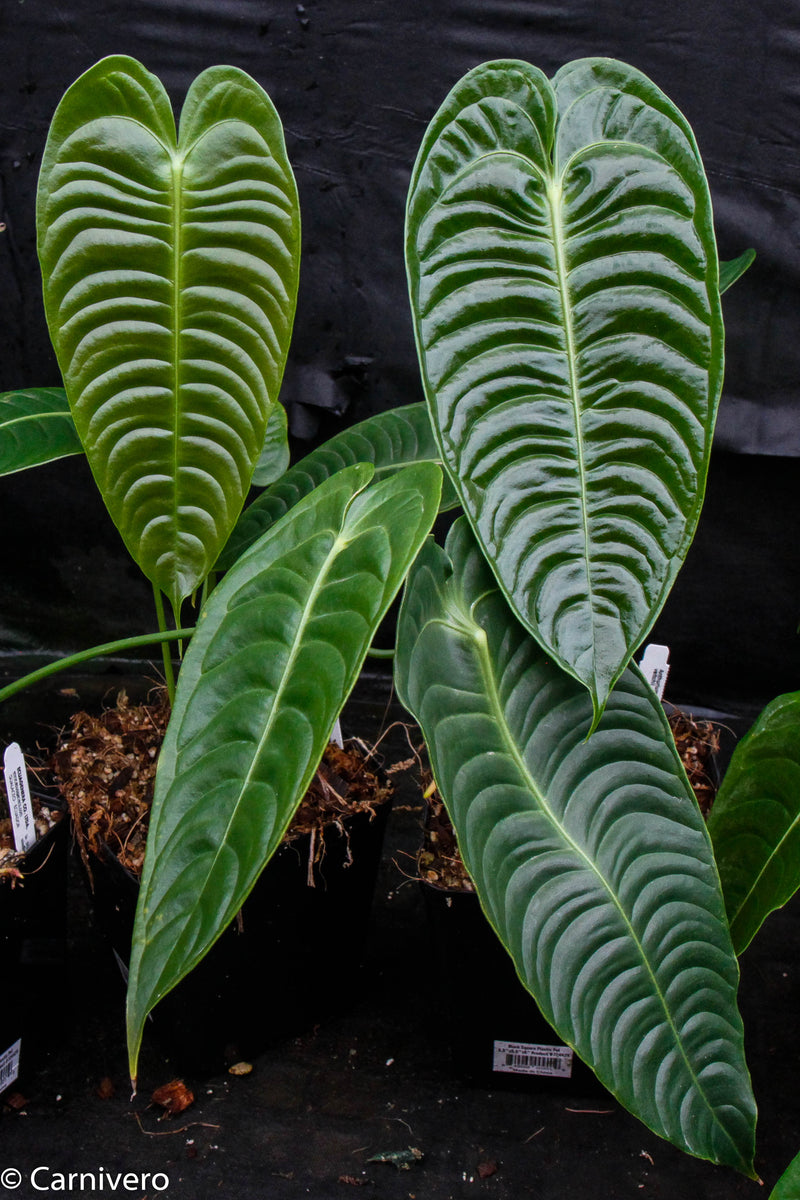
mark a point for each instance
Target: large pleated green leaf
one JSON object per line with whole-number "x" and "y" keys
{"x": 276, "y": 652}
{"x": 35, "y": 427}
{"x": 564, "y": 286}
{"x": 389, "y": 440}
{"x": 755, "y": 820}
{"x": 170, "y": 277}
{"x": 589, "y": 854}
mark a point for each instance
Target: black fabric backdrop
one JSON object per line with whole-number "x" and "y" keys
{"x": 355, "y": 82}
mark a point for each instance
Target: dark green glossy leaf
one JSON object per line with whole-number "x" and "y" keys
{"x": 788, "y": 1186}
{"x": 276, "y": 652}
{"x": 273, "y": 460}
{"x": 589, "y": 854}
{"x": 563, "y": 280}
{"x": 35, "y": 427}
{"x": 755, "y": 820}
{"x": 170, "y": 274}
{"x": 389, "y": 440}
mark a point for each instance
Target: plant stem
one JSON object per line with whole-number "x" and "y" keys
{"x": 72, "y": 660}
{"x": 169, "y": 674}
{"x": 209, "y": 583}
{"x": 374, "y": 653}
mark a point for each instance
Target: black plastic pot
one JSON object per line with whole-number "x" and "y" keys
{"x": 33, "y": 932}
{"x": 496, "y": 1033}
{"x": 288, "y": 962}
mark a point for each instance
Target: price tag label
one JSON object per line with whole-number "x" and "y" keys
{"x": 9, "y": 1065}
{"x": 524, "y": 1058}
{"x": 19, "y": 799}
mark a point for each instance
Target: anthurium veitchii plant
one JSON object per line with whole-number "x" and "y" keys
{"x": 565, "y": 291}
{"x": 170, "y": 265}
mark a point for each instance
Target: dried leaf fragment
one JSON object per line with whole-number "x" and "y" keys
{"x": 174, "y": 1097}
{"x": 240, "y": 1068}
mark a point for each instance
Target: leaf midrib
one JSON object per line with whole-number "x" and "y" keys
{"x": 554, "y": 196}
{"x": 178, "y": 161}
{"x": 38, "y": 418}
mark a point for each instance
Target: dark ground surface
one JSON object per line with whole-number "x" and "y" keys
{"x": 376, "y": 1078}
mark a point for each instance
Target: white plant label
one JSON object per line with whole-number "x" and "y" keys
{"x": 525, "y": 1058}
{"x": 655, "y": 667}
{"x": 19, "y": 799}
{"x": 9, "y": 1065}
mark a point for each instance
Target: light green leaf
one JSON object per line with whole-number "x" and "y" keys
{"x": 170, "y": 274}
{"x": 755, "y": 820}
{"x": 35, "y": 427}
{"x": 390, "y": 440}
{"x": 589, "y": 854}
{"x": 274, "y": 458}
{"x": 563, "y": 281}
{"x": 276, "y": 652}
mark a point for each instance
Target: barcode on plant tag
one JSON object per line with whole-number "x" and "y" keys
{"x": 9, "y": 1065}
{"x": 19, "y": 799}
{"x": 522, "y": 1058}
